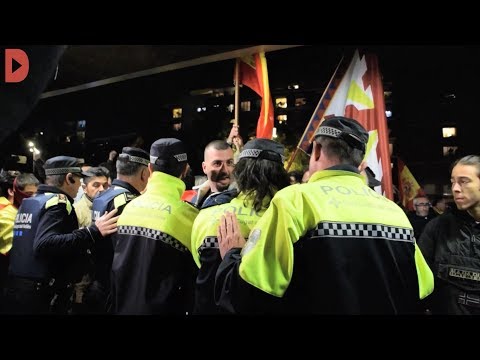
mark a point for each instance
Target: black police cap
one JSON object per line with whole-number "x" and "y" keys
{"x": 60, "y": 165}
{"x": 135, "y": 155}
{"x": 167, "y": 150}
{"x": 349, "y": 130}
{"x": 263, "y": 149}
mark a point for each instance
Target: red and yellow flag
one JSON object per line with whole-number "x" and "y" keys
{"x": 253, "y": 73}
{"x": 357, "y": 92}
{"x": 408, "y": 187}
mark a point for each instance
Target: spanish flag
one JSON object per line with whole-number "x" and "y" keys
{"x": 408, "y": 186}
{"x": 356, "y": 91}
{"x": 253, "y": 73}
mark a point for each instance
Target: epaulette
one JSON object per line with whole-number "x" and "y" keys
{"x": 59, "y": 199}
{"x": 122, "y": 199}
{"x": 130, "y": 196}
{"x": 62, "y": 198}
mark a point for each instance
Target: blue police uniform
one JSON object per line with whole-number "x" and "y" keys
{"x": 116, "y": 197}
{"x": 49, "y": 252}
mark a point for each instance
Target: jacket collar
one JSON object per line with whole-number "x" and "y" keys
{"x": 125, "y": 185}
{"x": 161, "y": 183}
{"x": 42, "y": 189}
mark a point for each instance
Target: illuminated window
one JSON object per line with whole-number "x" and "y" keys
{"x": 245, "y": 106}
{"x": 177, "y": 113}
{"x": 300, "y": 101}
{"x": 449, "y": 132}
{"x": 449, "y": 150}
{"x": 282, "y": 118}
{"x": 274, "y": 133}
{"x": 281, "y": 102}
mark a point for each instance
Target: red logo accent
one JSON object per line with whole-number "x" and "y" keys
{"x": 16, "y": 65}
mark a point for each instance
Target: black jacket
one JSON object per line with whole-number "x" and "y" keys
{"x": 451, "y": 246}
{"x": 97, "y": 296}
{"x": 48, "y": 247}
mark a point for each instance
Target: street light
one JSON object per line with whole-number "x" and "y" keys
{"x": 34, "y": 151}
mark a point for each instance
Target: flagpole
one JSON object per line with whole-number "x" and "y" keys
{"x": 292, "y": 158}
{"x": 237, "y": 91}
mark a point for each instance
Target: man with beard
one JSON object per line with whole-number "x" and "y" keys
{"x": 218, "y": 165}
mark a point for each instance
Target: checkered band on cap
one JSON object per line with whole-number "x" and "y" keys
{"x": 135, "y": 159}
{"x": 250, "y": 153}
{"x": 255, "y": 153}
{"x": 64, "y": 170}
{"x": 180, "y": 157}
{"x": 328, "y": 131}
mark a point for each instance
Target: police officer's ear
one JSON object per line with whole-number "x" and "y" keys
{"x": 316, "y": 151}
{"x": 150, "y": 169}
{"x": 70, "y": 178}
{"x": 145, "y": 173}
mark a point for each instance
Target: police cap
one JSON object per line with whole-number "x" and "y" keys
{"x": 349, "y": 130}
{"x": 167, "y": 151}
{"x": 263, "y": 149}
{"x": 60, "y": 165}
{"x": 135, "y": 155}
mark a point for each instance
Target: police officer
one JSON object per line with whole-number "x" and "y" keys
{"x": 259, "y": 156}
{"x": 330, "y": 246}
{"x": 153, "y": 271}
{"x": 49, "y": 252}
{"x": 132, "y": 177}
{"x": 15, "y": 187}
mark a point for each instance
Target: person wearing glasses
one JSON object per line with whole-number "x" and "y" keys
{"x": 421, "y": 216}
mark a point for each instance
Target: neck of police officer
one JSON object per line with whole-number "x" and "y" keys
{"x": 138, "y": 181}
{"x": 68, "y": 188}
{"x": 319, "y": 160}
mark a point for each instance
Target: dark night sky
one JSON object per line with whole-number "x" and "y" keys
{"x": 419, "y": 77}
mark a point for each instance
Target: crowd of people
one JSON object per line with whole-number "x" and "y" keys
{"x": 129, "y": 237}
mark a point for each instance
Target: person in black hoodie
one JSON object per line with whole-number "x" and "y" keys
{"x": 451, "y": 245}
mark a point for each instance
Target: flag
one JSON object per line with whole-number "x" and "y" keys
{"x": 253, "y": 73}
{"x": 408, "y": 186}
{"x": 357, "y": 92}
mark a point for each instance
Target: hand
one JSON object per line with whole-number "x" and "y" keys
{"x": 229, "y": 234}
{"x": 107, "y": 223}
{"x": 233, "y": 133}
{"x": 113, "y": 154}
